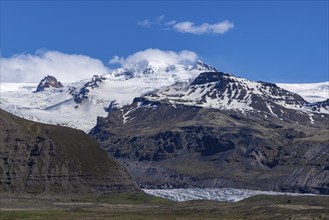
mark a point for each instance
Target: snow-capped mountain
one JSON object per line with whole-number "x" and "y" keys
{"x": 176, "y": 124}
{"x": 199, "y": 65}
{"x": 219, "y": 130}
{"x": 78, "y": 104}
{"x": 224, "y": 91}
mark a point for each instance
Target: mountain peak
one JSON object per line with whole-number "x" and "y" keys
{"x": 146, "y": 67}
{"x": 48, "y": 82}
{"x": 227, "y": 92}
{"x": 200, "y": 65}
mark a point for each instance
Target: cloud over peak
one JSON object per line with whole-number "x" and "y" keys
{"x": 156, "y": 56}
{"x": 65, "y": 67}
{"x": 188, "y": 26}
{"x": 74, "y": 67}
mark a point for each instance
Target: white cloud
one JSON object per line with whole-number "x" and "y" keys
{"x": 160, "y": 18}
{"x": 145, "y": 23}
{"x": 74, "y": 67}
{"x": 188, "y": 26}
{"x": 65, "y": 67}
{"x": 170, "y": 23}
{"x": 116, "y": 59}
{"x": 156, "y": 56}
{"x": 205, "y": 28}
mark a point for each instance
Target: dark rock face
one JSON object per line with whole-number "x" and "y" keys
{"x": 38, "y": 158}
{"x": 318, "y": 106}
{"x": 82, "y": 94}
{"x": 113, "y": 106}
{"x": 208, "y": 77}
{"x": 48, "y": 82}
{"x": 177, "y": 145}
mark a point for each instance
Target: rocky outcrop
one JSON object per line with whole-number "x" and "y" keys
{"x": 48, "y": 82}
{"x": 320, "y": 106}
{"x": 82, "y": 94}
{"x": 45, "y": 159}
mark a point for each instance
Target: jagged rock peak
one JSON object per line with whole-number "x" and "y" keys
{"x": 200, "y": 65}
{"x": 48, "y": 82}
{"x": 83, "y": 92}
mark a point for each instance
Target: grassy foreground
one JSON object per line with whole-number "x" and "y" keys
{"x": 142, "y": 206}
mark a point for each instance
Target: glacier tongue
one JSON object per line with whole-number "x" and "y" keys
{"x": 218, "y": 194}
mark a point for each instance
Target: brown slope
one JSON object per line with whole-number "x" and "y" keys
{"x": 40, "y": 158}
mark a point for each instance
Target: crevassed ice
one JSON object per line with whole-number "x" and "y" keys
{"x": 218, "y": 194}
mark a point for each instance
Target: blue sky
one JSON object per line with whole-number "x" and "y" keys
{"x": 276, "y": 41}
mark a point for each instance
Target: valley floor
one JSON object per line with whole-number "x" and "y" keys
{"x": 141, "y": 206}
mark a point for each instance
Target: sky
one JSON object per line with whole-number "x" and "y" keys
{"x": 274, "y": 41}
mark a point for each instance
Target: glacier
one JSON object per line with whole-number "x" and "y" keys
{"x": 120, "y": 85}
{"x": 311, "y": 92}
{"x": 217, "y": 194}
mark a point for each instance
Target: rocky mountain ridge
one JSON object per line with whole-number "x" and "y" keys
{"x": 225, "y": 91}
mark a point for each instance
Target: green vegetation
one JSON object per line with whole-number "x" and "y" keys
{"x": 142, "y": 206}
{"x": 126, "y": 198}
